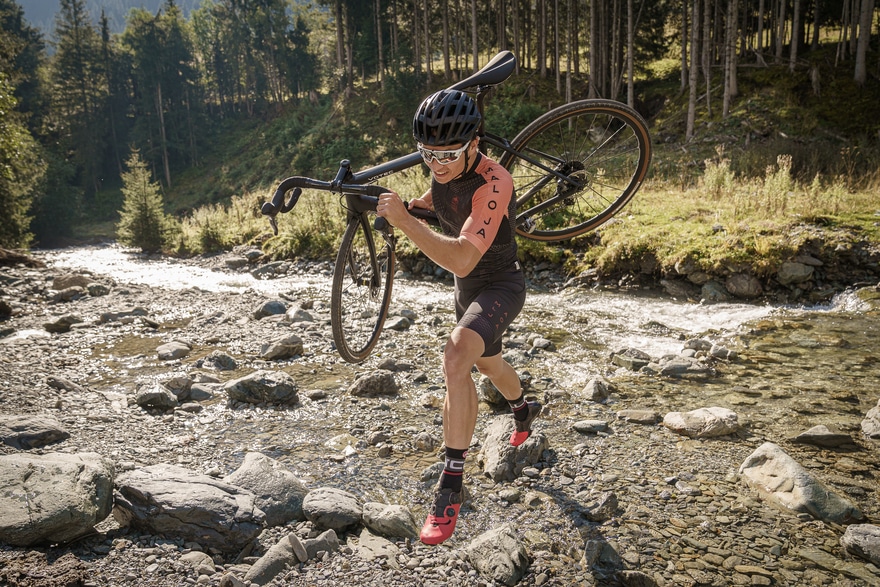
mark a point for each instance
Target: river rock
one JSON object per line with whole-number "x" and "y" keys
{"x": 791, "y": 272}
{"x": 173, "y": 350}
{"x": 220, "y": 361}
{"x": 783, "y": 482}
{"x": 871, "y": 423}
{"x": 299, "y": 315}
{"x": 398, "y": 323}
{"x": 598, "y": 508}
{"x": 632, "y": 359}
{"x": 332, "y": 508}
{"x": 279, "y": 494}
{"x": 327, "y": 542}
{"x": 500, "y": 460}
{"x": 712, "y": 291}
{"x": 273, "y": 387}
{"x": 53, "y": 498}
{"x": 743, "y": 285}
{"x": 703, "y": 422}
{"x": 62, "y": 324}
{"x": 68, "y": 294}
{"x": 394, "y": 521}
{"x": 277, "y": 558}
{"x": 862, "y": 540}
{"x": 590, "y": 426}
{"x": 597, "y": 389}
{"x": 283, "y": 348}
{"x": 29, "y": 431}
{"x": 823, "y": 436}
{"x": 179, "y": 503}
{"x": 374, "y": 384}
{"x": 639, "y": 416}
{"x": 67, "y": 280}
{"x": 499, "y": 555}
{"x": 270, "y": 308}
{"x": 154, "y": 395}
{"x": 371, "y": 547}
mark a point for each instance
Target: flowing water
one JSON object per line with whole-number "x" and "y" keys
{"x": 797, "y": 366}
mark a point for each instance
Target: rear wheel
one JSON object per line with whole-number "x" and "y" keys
{"x": 361, "y": 290}
{"x": 600, "y": 151}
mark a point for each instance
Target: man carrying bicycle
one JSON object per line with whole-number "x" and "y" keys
{"x": 473, "y": 197}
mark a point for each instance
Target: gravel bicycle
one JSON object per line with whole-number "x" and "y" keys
{"x": 574, "y": 167}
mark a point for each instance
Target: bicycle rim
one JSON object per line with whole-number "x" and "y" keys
{"x": 361, "y": 290}
{"x": 602, "y": 150}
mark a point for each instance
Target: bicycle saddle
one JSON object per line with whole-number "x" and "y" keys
{"x": 493, "y": 73}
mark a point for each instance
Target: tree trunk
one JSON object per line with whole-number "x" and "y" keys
{"x": 630, "y": 50}
{"x": 340, "y": 35}
{"x": 381, "y": 72}
{"x": 542, "y": 38}
{"x": 447, "y": 67}
{"x": 861, "y": 73}
{"x": 694, "y": 70}
{"x": 730, "y": 88}
{"x": 570, "y": 35}
{"x": 165, "y": 163}
{"x": 516, "y": 43}
{"x": 416, "y": 41}
{"x": 556, "y": 59}
{"x": 760, "y": 49}
{"x": 476, "y": 47}
{"x": 594, "y": 51}
{"x": 394, "y": 31}
{"x": 684, "y": 48}
{"x": 429, "y": 61}
{"x": 814, "y": 42}
{"x": 780, "y": 32}
{"x": 707, "y": 53}
{"x": 795, "y": 36}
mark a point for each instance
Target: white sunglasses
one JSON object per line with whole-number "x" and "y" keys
{"x": 442, "y": 157}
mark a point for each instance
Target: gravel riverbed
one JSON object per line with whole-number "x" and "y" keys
{"x": 683, "y": 516}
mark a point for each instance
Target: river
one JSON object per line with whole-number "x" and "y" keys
{"x": 801, "y": 365}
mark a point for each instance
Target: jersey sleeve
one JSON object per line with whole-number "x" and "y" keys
{"x": 489, "y": 206}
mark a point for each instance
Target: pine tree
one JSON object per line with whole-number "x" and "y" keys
{"x": 143, "y": 222}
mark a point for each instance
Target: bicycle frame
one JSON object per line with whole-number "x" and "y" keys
{"x": 365, "y": 193}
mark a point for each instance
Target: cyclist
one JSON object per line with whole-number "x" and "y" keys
{"x": 474, "y": 199}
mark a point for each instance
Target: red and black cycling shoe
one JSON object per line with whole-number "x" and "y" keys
{"x": 524, "y": 427}
{"x": 441, "y": 522}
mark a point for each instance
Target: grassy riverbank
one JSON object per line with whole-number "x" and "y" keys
{"x": 787, "y": 173}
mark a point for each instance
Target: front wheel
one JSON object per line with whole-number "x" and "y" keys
{"x": 576, "y": 166}
{"x": 361, "y": 290}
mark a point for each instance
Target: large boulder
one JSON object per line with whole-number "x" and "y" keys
{"x": 53, "y": 498}
{"x": 503, "y": 462}
{"x": 783, "y": 482}
{"x": 278, "y": 491}
{"x": 176, "y": 502}
{"x": 499, "y": 555}
{"x": 30, "y": 431}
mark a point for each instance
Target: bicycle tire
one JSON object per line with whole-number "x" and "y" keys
{"x": 361, "y": 291}
{"x": 603, "y": 144}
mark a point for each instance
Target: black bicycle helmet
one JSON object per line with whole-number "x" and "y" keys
{"x": 449, "y": 117}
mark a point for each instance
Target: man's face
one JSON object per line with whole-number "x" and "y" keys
{"x": 446, "y": 173}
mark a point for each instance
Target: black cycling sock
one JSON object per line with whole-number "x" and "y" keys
{"x": 453, "y": 471}
{"x": 520, "y": 408}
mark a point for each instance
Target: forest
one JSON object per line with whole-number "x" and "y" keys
{"x": 76, "y": 103}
